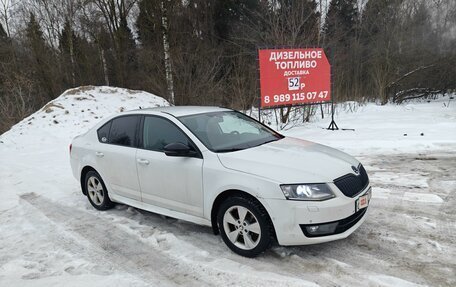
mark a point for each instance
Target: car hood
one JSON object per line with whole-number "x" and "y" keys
{"x": 291, "y": 160}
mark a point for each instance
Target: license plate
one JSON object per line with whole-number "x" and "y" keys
{"x": 363, "y": 201}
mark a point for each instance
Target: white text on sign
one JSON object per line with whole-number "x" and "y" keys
{"x": 296, "y": 97}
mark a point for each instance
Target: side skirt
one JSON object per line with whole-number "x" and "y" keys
{"x": 159, "y": 210}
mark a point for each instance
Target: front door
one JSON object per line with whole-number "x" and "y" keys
{"x": 170, "y": 182}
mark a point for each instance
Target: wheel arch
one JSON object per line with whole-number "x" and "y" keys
{"x": 84, "y": 171}
{"x": 230, "y": 193}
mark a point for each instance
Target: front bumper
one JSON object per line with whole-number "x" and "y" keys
{"x": 290, "y": 218}
{"x": 335, "y": 227}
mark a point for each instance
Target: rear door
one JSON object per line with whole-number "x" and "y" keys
{"x": 116, "y": 155}
{"x": 171, "y": 182}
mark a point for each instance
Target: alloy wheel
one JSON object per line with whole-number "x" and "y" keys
{"x": 95, "y": 190}
{"x": 241, "y": 227}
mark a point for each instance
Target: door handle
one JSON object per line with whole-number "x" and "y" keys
{"x": 99, "y": 154}
{"x": 143, "y": 161}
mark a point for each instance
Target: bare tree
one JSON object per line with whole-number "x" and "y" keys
{"x": 167, "y": 54}
{"x": 6, "y": 8}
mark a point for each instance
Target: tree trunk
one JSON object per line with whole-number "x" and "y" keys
{"x": 168, "y": 67}
{"x": 284, "y": 114}
{"x": 105, "y": 67}
{"x": 72, "y": 61}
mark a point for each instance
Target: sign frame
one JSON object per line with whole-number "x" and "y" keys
{"x": 332, "y": 126}
{"x": 286, "y": 49}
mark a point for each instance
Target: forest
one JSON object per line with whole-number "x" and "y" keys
{"x": 199, "y": 52}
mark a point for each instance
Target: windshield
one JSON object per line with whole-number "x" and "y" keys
{"x": 228, "y": 131}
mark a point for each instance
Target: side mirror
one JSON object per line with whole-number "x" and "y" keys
{"x": 178, "y": 149}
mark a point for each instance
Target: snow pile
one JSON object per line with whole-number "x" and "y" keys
{"x": 75, "y": 111}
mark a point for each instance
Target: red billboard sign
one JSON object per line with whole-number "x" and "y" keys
{"x": 294, "y": 76}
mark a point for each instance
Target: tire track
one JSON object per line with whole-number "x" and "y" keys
{"x": 111, "y": 244}
{"x": 115, "y": 246}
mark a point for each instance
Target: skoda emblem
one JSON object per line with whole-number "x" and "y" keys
{"x": 356, "y": 170}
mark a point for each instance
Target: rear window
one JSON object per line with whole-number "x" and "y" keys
{"x": 123, "y": 131}
{"x": 103, "y": 132}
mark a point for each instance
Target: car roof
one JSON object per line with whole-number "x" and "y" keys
{"x": 179, "y": 111}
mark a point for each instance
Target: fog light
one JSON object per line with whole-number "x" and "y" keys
{"x": 313, "y": 229}
{"x": 320, "y": 230}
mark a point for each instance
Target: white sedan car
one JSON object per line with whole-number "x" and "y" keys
{"x": 221, "y": 168}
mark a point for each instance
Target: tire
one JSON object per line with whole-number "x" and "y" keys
{"x": 248, "y": 236}
{"x": 96, "y": 191}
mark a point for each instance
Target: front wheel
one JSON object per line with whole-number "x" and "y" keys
{"x": 97, "y": 192}
{"x": 244, "y": 226}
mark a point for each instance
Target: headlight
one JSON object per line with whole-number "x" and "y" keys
{"x": 316, "y": 192}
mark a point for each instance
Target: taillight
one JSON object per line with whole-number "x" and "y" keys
{"x": 71, "y": 146}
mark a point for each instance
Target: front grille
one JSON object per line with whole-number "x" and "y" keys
{"x": 342, "y": 225}
{"x": 351, "y": 184}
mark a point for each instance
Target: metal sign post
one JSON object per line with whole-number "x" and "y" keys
{"x": 332, "y": 126}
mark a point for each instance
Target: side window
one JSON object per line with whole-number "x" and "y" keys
{"x": 123, "y": 130}
{"x": 103, "y": 132}
{"x": 159, "y": 132}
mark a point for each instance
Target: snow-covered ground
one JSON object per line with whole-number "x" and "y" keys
{"x": 376, "y": 129}
{"x": 51, "y": 236}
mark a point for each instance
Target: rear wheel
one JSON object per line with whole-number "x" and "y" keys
{"x": 244, "y": 226}
{"x": 97, "y": 192}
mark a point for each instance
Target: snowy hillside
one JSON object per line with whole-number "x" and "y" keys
{"x": 51, "y": 236}
{"x": 77, "y": 110}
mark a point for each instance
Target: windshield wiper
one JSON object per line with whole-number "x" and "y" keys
{"x": 246, "y": 147}
{"x": 230, "y": 149}
{"x": 271, "y": 140}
